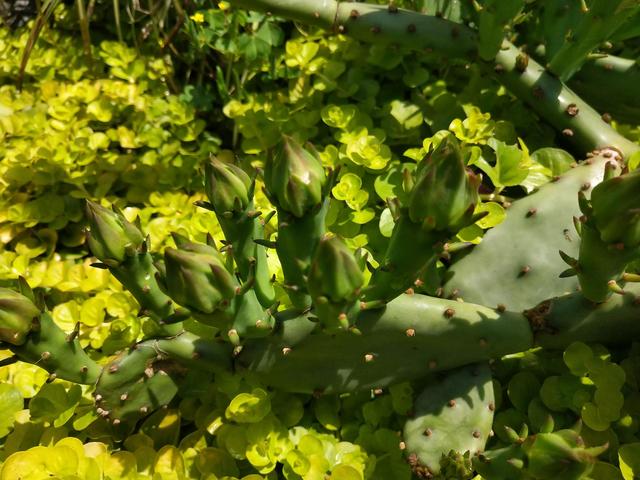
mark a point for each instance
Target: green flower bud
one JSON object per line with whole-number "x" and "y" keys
{"x": 560, "y": 455}
{"x": 196, "y": 277}
{"x": 111, "y": 235}
{"x": 335, "y": 273}
{"x": 294, "y": 178}
{"x": 227, "y": 186}
{"x": 616, "y": 209}
{"x": 445, "y": 193}
{"x": 16, "y": 315}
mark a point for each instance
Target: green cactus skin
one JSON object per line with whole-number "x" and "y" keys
{"x": 134, "y": 385}
{"x": 195, "y": 352}
{"x": 144, "y": 378}
{"x": 621, "y": 98}
{"x": 441, "y": 202}
{"x": 137, "y": 274}
{"x": 556, "y": 20}
{"x": 294, "y": 178}
{"x": 227, "y": 186}
{"x": 374, "y": 23}
{"x": 410, "y": 250}
{"x": 579, "y": 122}
{"x": 296, "y": 244}
{"x": 600, "y": 263}
{"x": 335, "y": 281}
{"x": 17, "y": 312}
{"x": 453, "y": 465}
{"x": 501, "y": 464}
{"x": 455, "y": 413}
{"x": 561, "y": 321}
{"x": 110, "y": 235}
{"x": 616, "y": 209}
{"x": 433, "y": 334}
{"x": 609, "y": 234}
{"x": 296, "y": 184}
{"x": 50, "y": 348}
{"x": 250, "y": 320}
{"x": 445, "y": 193}
{"x": 516, "y": 264}
{"x": 196, "y": 277}
{"x": 124, "y": 251}
{"x": 595, "y": 26}
{"x": 240, "y": 224}
{"x": 492, "y": 20}
{"x": 241, "y": 230}
{"x": 543, "y": 92}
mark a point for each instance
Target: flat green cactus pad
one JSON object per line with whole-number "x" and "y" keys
{"x": 453, "y": 414}
{"x": 517, "y": 264}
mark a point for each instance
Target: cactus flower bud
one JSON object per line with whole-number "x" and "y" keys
{"x": 196, "y": 277}
{"x": 16, "y": 315}
{"x": 227, "y": 186}
{"x": 445, "y": 193}
{"x": 110, "y": 233}
{"x": 294, "y": 178}
{"x": 616, "y": 209}
{"x": 334, "y": 272}
{"x": 335, "y": 281}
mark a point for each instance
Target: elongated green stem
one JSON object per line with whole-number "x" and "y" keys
{"x": 297, "y": 240}
{"x": 116, "y": 16}
{"x": 375, "y": 23}
{"x": 556, "y": 103}
{"x": 241, "y": 230}
{"x": 84, "y": 28}
{"x": 43, "y": 15}
{"x": 50, "y": 348}
{"x": 433, "y": 335}
{"x": 525, "y": 78}
{"x": 137, "y": 275}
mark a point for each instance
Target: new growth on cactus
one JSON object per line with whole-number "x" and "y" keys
{"x": 442, "y": 200}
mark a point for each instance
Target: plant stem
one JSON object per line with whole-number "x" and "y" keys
{"x": 557, "y": 103}
{"x": 43, "y": 15}
{"x": 84, "y": 29}
{"x": 116, "y": 16}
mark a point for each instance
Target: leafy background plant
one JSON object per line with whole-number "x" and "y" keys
{"x": 129, "y": 123}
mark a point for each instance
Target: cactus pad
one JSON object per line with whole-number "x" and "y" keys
{"x": 517, "y": 263}
{"x": 455, "y": 413}
{"x": 432, "y": 334}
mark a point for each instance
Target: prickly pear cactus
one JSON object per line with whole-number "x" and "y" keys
{"x": 519, "y": 258}
{"x": 134, "y": 385}
{"x": 432, "y": 333}
{"x": 341, "y": 335}
{"x": 454, "y": 413}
